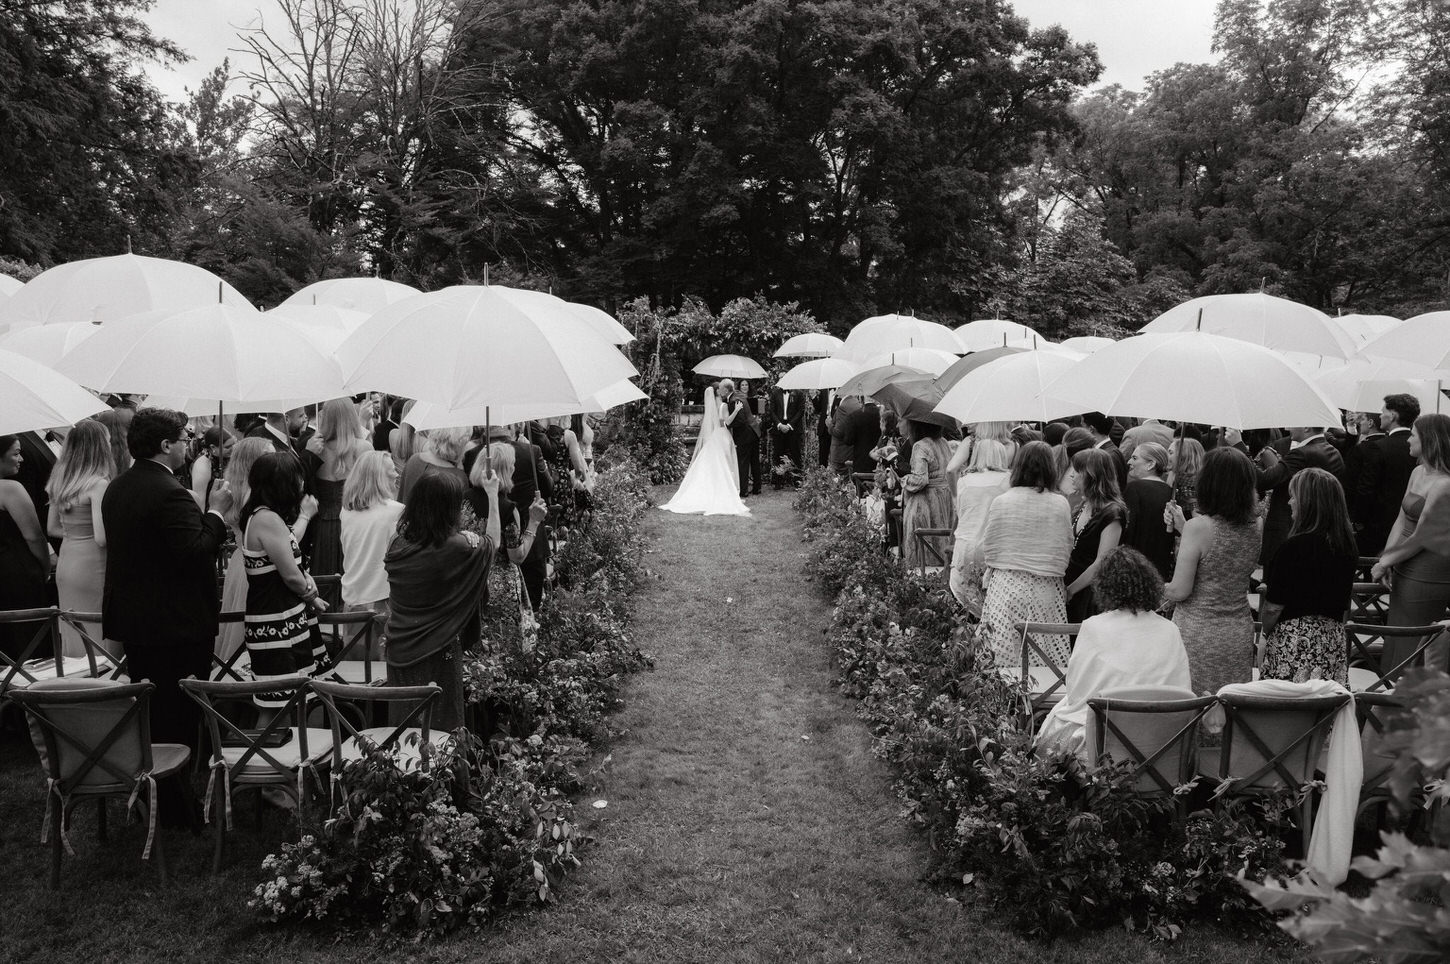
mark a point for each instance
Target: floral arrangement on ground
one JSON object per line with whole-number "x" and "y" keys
{"x": 425, "y": 840}
{"x": 1054, "y": 846}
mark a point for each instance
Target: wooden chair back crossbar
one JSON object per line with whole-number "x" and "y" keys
{"x": 78, "y": 621}
{"x": 46, "y": 621}
{"x": 926, "y": 545}
{"x": 1240, "y": 711}
{"x": 423, "y": 698}
{"x": 337, "y": 625}
{"x": 1369, "y": 602}
{"x": 1030, "y": 645}
{"x": 1362, "y": 636}
{"x": 1183, "y": 742}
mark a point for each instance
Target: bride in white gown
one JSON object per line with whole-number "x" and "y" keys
{"x": 712, "y": 482}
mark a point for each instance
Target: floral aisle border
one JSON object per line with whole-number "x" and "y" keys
{"x": 458, "y": 834}
{"x": 1053, "y": 846}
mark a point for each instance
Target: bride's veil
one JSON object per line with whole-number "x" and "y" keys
{"x": 709, "y": 422}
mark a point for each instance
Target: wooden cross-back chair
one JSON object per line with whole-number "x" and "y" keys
{"x": 1371, "y": 647}
{"x": 1369, "y": 604}
{"x": 1156, "y": 728}
{"x": 929, "y": 545}
{"x": 243, "y": 758}
{"x": 27, "y": 668}
{"x": 1046, "y": 683}
{"x": 352, "y": 639}
{"x": 410, "y": 739}
{"x": 96, "y": 740}
{"x": 1373, "y": 711}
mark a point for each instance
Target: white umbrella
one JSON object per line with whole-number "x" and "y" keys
{"x": 1362, "y": 385}
{"x": 885, "y": 333}
{"x": 47, "y": 344}
{"x": 104, "y": 289}
{"x": 730, "y": 366}
{"x": 1364, "y": 328}
{"x": 326, "y": 326}
{"x": 985, "y": 333}
{"x": 812, "y": 344}
{"x": 1260, "y": 319}
{"x": 1009, "y": 389}
{"x": 1194, "y": 377}
{"x": 1085, "y": 344}
{"x": 820, "y": 373}
{"x": 9, "y": 285}
{"x": 358, "y": 294}
{"x": 428, "y": 415}
{"x": 928, "y": 360}
{"x": 215, "y": 356}
{"x": 472, "y": 346}
{"x": 605, "y": 324}
{"x": 1423, "y": 340}
{"x": 33, "y": 396}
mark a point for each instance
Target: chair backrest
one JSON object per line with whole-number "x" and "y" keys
{"x": 416, "y": 713}
{"x": 1373, "y": 711}
{"x": 1369, "y": 602}
{"x": 95, "y": 733}
{"x": 929, "y": 543}
{"x": 1269, "y": 742}
{"x": 44, "y": 625}
{"x": 1363, "y": 637}
{"x": 292, "y": 715}
{"x": 1032, "y": 646}
{"x": 864, "y": 482}
{"x": 1364, "y": 566}
{"x": 225, "y": 668}
{"x": 349, "y": 635}
{"x": 102, "y": 661}
{"x": 1154, "y": 728}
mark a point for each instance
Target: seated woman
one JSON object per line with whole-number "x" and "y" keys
{"x": 1310, "y": 579}
{"x": 436, "y": 575}
{"x": 1127, "y": 644}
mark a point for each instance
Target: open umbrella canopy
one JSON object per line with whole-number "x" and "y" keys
{"x": 47, "y": 344}
{"x": 730, "y": 366}
{"x": 1193, "y": 377}
{"x": 885, "y": 333}
{"x": 870, "y": 380}
{"x": 817, "y": 374}
{"x": 1364, "y": 328}
{"x": 1085, "y": 344}
{"x": 603, "y": 323}
{"x": 33, "y": 396}
{"x": 1423, "y": 340}
{"x": 104, "y": 289}
{"x": 1362, "y": 385}
{"x": 985, "y": 333}
{"x": 471, "y": 346}
{"x": 428, "y": 415}
{"x": 812, "y": 344}
{"x": 215, "y": 355}
{"x": 914, "y": 398}
{"x": 357, "y": 294}
{"x": 326, "y": 326}
{"x": 1259, "y": 319}
{"x": 9, "y": 285}
{"x": 972, "y": 362}
{"x": 925, "y": 359}
{"x": 1009, "y": 389}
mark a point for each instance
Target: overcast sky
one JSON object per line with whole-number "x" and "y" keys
{"x": 1134, "y": 37}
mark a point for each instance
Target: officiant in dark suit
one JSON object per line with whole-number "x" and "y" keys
{"x": 786, "y": 416}
{"x": 1279, "y": 462}
{"x": 1382, "y": 473}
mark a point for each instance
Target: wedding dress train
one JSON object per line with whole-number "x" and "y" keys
{"x": 712, "y": 482}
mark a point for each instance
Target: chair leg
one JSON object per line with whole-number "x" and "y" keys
{"x": 221, "y": 829}
{"x": 56, "y": 823}
{"x": 1306, "y": 821}
{"x": 101, "y": 819}
{"x": 158, "y": 850}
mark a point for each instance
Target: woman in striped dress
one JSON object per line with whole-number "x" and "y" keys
{"x": 281, "y": 630}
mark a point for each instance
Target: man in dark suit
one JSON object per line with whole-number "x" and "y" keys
{"x": 160, "y": 595}
{"x": 865, "y": 433}
{"x": 1361, "y": 456}
{"x": 786, "y": 417}
{"x": 1304, "y": 448}
{"x": 274, "y": 430}
{"x": 1101, "y": 426}
{"x": 745, "y": 430}
{"x": 1380, "y": 483}
{"x": 825, "y": 408}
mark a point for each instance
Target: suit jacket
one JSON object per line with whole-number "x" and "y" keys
{"x": 741, "y": 429}
{"x": 1316, "y": 453}
{"x": 795, "y": 418}
{"x": 866, "y": 432}
{"x": 161, "y": 555}
{"x": 1377, "y": 487}
{"x": 262, "y": 431}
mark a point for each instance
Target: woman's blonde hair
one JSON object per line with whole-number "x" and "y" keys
{"x": 85, "y": 459}
{"x": 339, "y": 427}
{"x": 996, "y": 431}
{"x": 239, "y": 467}
{"x": 990, "y": 455}
{"x": 404, "y": 443}
{"x": 448, "y": 443}
{"x": 1187, "y": 457}
{"x": 500, "y": 458}
{"x": 369, "y": 482}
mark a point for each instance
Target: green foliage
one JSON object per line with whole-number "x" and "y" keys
{"x": 1055, "y": 847}
{"x": 1403, "y": 919}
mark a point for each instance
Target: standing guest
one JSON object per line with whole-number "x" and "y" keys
{"x": 1150, "y": 430}
{"x": 864, "y": 435}
{"x": 37, "y": 461}
{"x": 985, "y": 477}
{"x": 843, "y": 435}
{"x": 506, "y": 598}
{"x": 745, "y": 430}
{"x": 787, "y": 419}
{"x": 281, "y": 632}
{"x": 24, "y": 553}
{"x": 332, "y": 453}
{"x": 926, "y": 491}
{"x": 230, "y": 636}
{"x": 209, "y": 464}
{"x": 1183, "y": 473}
{"x": 1218, "y": 551}
{"x": 160, "y": 599}
{"x": 369, "y": 518}
{"x": 584, "y": 431}
{"x": 1127, "y": 644}
{"x": 436, "y": 577}
{"x": 388, "y": 411}
{"x": 826, "y": 402}
{"x": 1102, "y": 429}
{"x": 530, "y": 479}
{"x": 402, "y": 441}
{"x": 1362, "y": 451}
{"x": 1309, "y": 582}
{"x": 1307, "y": 448}
{"x": 1416, "y": 559}
{"x": 1025, "y": 547}
{"x": 367, "y": 412}
{"x": 299, "y": 426}
{"x": 443, "y": 456}
{"x": 273, "y": 428}
{"x": 1384, "y": 477}
{"x": 1097, "y": 527}
{"x": 1147, "y": 494}
{"x": 892, "y": 457}
{"x": 76, "y": 489}
{"x": 1077, "y": 439}
{"x": 569, "y": 471}
{"x": 118, "y": 424}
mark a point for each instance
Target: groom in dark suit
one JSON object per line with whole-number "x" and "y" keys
{"x": 160, "y": 596}
{"x": 786, "y": 417}
{"x": 745, "y": 430}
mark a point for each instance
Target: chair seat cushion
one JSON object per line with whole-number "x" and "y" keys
{"x": 71, "y": 667}
{"x": 1040, "y": 680}
{"x": 168, "y": 758}
{"x": 319, "y": 747}
{"x": 360, "y": 671}
{"x": 1362, "y": 679}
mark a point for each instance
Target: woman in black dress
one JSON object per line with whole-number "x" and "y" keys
{"x": 24, "y": 553}
{"x": 1097, "y": 527}
{"x": 1147, "y": 493}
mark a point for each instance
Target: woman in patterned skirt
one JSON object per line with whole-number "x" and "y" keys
{"x": 281, "y": 631}
{"x": 507, "y": 604}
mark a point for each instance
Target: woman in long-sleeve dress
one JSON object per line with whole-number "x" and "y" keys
{"x": 927, "y": 494}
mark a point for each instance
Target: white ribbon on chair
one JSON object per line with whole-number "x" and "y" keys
{"x": 226, "y": 773}
{"x": 54, "y": 798}
{"x": 151, "y": 809}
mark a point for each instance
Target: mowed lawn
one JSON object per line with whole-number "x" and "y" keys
{"x": 746, "y": 818}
